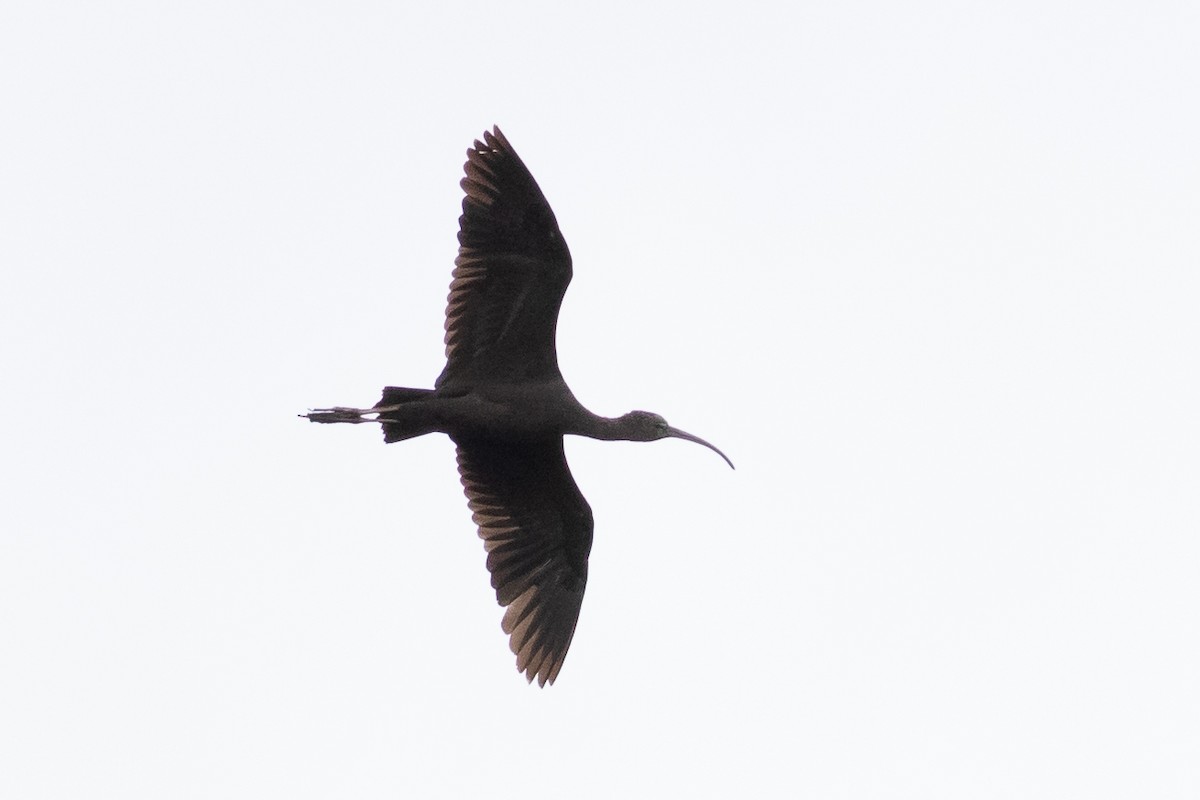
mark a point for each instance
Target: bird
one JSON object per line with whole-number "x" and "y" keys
{"x": 503, "y": 402}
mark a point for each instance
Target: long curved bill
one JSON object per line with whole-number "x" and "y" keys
{"x": 678, "y": 434}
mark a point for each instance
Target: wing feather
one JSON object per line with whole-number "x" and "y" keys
{"x": 537, "y": 530}
{"x": 512, "y": 270}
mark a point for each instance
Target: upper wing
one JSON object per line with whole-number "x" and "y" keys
{"x": 512, "y": 270}
{"x": 537, "y": 530}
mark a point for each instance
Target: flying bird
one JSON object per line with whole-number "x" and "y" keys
{"x": 504, "y": 403}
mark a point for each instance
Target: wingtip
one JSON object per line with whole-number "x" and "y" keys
{"x": 496, "y": 139}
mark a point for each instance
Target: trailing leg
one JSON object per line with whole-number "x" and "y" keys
{"x": 399, "y": 411}
{"x": 339, "y": 414}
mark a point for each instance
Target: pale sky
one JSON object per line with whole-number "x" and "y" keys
{"x": 929, "y": 273}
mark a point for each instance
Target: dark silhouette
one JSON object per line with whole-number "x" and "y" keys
{"x": 503, "y": 401}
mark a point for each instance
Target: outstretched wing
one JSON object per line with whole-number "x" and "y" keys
{"x": 510, "y": 276}
{"x": 537, "y": 530}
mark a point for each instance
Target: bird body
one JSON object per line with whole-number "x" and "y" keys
{"x": 503, "y": 401}
{"x": 501, "y": 410}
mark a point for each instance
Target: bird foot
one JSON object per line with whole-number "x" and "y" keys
{"x": 340, "y": 414}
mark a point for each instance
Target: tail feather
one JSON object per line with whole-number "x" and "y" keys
{"x": 395, "y": 395}
{"x": 397, "y": 425}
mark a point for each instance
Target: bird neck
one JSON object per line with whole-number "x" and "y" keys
{"x": 609, "y": 429}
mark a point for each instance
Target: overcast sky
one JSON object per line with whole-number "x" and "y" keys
{"x": 928, "y": 272}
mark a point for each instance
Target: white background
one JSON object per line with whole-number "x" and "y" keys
{"x": 927, "y": 272}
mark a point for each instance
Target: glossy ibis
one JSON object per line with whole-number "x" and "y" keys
{"x": 503, "y": 401}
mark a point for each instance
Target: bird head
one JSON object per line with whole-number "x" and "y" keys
{"x": 646, "y": 426}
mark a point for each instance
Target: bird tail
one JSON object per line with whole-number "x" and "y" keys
{"x": 397, "y": 424}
